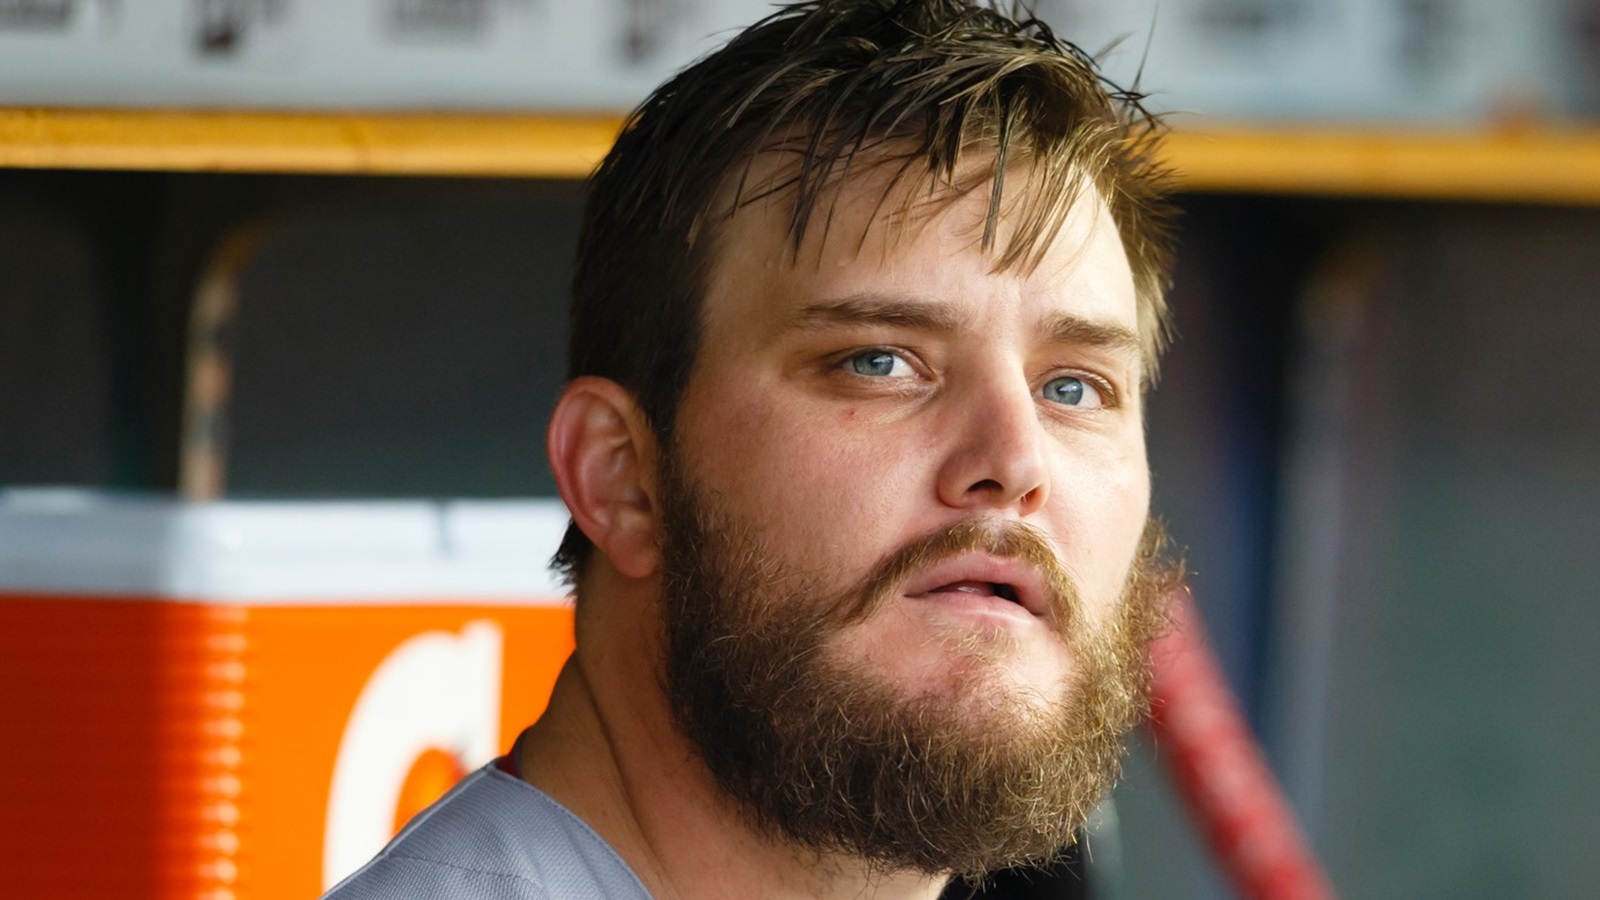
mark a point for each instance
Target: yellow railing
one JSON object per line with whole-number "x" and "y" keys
{"x": 1543, "y": 165}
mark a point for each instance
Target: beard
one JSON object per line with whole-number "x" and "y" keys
{"x": 830, "y": 759}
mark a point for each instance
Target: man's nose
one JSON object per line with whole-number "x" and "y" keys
{"x": 998, "y": 457}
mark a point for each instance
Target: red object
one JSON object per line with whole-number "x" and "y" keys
{"x": 161, "y": 749}
{"x": 1221, "y": 773}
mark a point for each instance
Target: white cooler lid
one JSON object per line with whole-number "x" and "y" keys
{"x": 90, "y": 543}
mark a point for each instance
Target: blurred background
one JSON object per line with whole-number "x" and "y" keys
{"x": 277, "y": 255}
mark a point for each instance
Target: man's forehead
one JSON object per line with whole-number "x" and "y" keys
{"x": 875, "y": 200}
{"x": 871, "y": 257}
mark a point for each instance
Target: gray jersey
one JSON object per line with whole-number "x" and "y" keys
{"x": 494, "y": 837}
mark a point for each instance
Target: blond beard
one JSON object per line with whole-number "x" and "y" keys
{"x": 834, "y": 760}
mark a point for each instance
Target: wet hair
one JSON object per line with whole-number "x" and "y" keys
{"x": 925, "y": 87}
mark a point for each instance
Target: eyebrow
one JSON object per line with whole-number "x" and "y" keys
{"x": 877, "y": 309}
{"x": 1079, "y": 331}
{"x": 933, "y": 316}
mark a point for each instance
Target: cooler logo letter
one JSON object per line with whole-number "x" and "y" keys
{"x": 430, "y": 711}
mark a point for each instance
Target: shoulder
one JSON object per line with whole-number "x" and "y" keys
{"x": 493, "y": 837}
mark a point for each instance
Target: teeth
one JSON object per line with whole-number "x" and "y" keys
{"x": 979, "y": 589}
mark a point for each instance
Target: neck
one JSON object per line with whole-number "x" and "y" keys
{"x": 606, "y": 749}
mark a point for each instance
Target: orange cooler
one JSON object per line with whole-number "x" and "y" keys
{"x": 242, "y": 700}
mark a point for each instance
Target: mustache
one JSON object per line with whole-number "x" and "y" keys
{"x": 1008, "y": 539}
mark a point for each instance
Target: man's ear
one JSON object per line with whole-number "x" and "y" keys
{"x": 603, "y": 455}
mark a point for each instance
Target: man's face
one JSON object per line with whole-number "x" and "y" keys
{"x": 905, "y": 497}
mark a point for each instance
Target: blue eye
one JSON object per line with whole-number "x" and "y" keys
{"x": 874, "y": 363}
{"x": 1071, "y": 391}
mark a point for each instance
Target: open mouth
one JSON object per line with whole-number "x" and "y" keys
{"x": 976, "y": 581}
{"x": 978, "y": 589}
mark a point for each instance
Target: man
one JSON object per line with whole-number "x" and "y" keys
{"x": 865, "y": 310}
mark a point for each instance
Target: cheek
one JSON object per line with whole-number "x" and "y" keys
{"x": 806, "y": 478}
{"x": 1100, "y": 520}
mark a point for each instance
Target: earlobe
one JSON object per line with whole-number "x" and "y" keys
{"x": 603, "y": 456}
